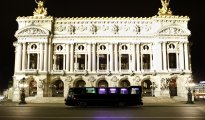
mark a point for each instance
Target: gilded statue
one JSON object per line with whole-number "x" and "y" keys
{"x": 40, "y": 11}
{"x": 165, "y": 10}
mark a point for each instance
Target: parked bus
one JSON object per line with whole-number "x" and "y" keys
{"x": 115, "y": 96}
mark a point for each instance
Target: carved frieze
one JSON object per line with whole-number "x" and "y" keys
{"x": 32, "y": 31}
{"x": 172, "y": 31}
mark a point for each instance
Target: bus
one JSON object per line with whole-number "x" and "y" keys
{"x": 115, "y": 96}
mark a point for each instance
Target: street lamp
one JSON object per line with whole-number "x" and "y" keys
{"x": 189, "y": 94}
{"x": 22, "y": 86}
{"x": 153, "y": 88}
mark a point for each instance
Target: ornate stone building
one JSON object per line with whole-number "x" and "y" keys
{"x": 53, "y": 54}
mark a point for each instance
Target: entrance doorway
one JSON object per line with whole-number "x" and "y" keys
{"x": 80, "y": 83}
{"x": 146, "y": 88}
{"x": 173, "y": 87}
{"x": 124, "y": 83}
{"x": 102, "y": 83}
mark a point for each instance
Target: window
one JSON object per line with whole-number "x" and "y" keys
{"x": 59, "y": 62}
{"x": 123, "y": 91}
{"x": 125, "y": 61}
{"x": 90, "y": 90}
{"x": 81, "y": 62}
{"x": 112, "y": 90}
{"x": 33, "y": 61}
{"x": 102, "y": 61}
{"x": 102, "y": 91}
{"x": 172, "y": 60}
{"x": 146, "y": 61}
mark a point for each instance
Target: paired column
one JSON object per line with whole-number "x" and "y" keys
{"x": 116, "y": 57}
{"x": 138, "y": 56}
{"x": 45, "y": 57}
{"x": 41, "y": 56}
{"x": 18, "y": 57}
{"x": 164, "y": 56}
{"x": 89, "y": 57}
{"x": 186, "y": 56}
{"x": 133, "y": 57}
{"x": 181, "y": 56}
{"x": 24, "y": 57}
{"x": 67, "y": 57}
{"x": 111, "y": 57}
{"x": 71, "y": 57}
{"x": 94, "y": 57}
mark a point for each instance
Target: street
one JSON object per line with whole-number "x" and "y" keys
{"x": 191, "y": 112}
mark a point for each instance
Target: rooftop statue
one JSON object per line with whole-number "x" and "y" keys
{"x": 40, "y": 11}
{"x": 165, "y": 10}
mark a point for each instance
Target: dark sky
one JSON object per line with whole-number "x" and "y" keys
{"x": 10, "y": 9}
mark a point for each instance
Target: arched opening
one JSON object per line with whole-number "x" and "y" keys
{"x": 173, "y": 87}
{"x": 80, "y": 83}
{"x": 57, "y": 88}
{"x": 102, "y": 83}
{"x": 32, "y": 88}
{"x": 124, "y": 83}
{"x": 146, "y": 88}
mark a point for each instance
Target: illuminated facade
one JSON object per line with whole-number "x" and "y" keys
{"x": 53, "y": 54}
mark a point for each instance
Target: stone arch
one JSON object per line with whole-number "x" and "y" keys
{"x": 173, "y": 30}
{"x": 102, "y": 82}
{"x": 32, "y": 88}
{"x": 146, "y": 86}
{"x": 124, "y": 82}
{"x": 173, "y": 86}
{"x": 32, "y": 30}
{"x": 57, "y": 88}
{"x": 79, "y": 82}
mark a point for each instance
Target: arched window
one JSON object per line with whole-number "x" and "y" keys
{"x": 102, "y": 83}
{"x": 57, "y": 88}
{"x": 80, "y": 83}
{"x": 124, "y": 83}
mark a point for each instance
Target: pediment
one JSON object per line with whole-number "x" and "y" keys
{"x": 174, "y": 30}
{"x": 32, "y": 31}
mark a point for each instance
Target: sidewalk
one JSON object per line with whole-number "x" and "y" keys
{"x": 176, "y": 104}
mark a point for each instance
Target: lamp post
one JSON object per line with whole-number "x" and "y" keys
{"x": 189, "y": 94}
{"x": 22, "y": 85}
{"x": 153, "y": 88}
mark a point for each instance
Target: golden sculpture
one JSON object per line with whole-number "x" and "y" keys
{"x": 40, "y": 11}
{"x": 165, "y": 10}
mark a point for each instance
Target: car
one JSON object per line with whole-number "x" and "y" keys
{"x": 1, "y": 98}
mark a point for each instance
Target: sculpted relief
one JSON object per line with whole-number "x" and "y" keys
{"x": 32, "y": 31}
{"x": 172, "y": 31}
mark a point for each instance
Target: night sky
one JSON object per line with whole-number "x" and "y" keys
{"x": 11, "y": 9}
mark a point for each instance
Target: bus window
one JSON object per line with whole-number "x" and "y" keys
{"x": 123, "y": 91}
{"x": 102, "y": 91}
{"x": 113, "y": 90}
{"x": 134, "y": 90}
{"x": 90, "y": 90}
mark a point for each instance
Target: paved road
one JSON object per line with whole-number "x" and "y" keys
{"x": 190, "y": 112}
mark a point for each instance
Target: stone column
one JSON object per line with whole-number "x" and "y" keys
{"x": 16, "y": 59}
{"x": 89, "y": 57}
{"x": 97, "y": 62}
{"x": 45, "y": 57}
{"x": 64, "y": 61}
{"x": 164, "y": 57}
{"x": 108, "y": 62}
{"x": 50, "y": 57}
{"x": 157, "y": 56}
{"x": 24, "y": 57}
{"x": 138, "y": 56}
{"x": 111, "y": 57}
{"x": 133, "y": 64}
{"x": 116, "y": 57}
{"x": 71, "y": 57}
{"x": 28, "y": 65}
{"x": 41, "y": 56}
{"x": 186, "y": 54}
{"x": 67, "y": 57}
{"x": 181, "y": 56}
{"x": 94, "y": 57}
{"x": 86, "y": 61}
{"x": 19, "y": 57}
